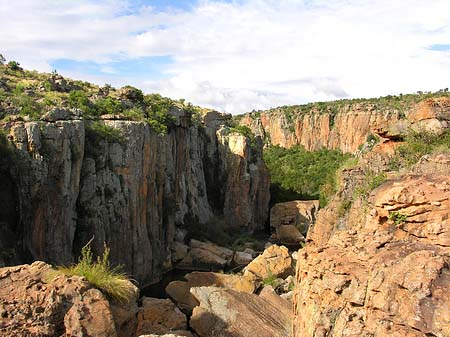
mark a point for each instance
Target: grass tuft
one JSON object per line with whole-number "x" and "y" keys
{"x": 110, "y": 280}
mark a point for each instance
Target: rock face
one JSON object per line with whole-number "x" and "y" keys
{"x": 226, "y": 313}
{"x": 274, "y": 261}
{"x": 63, "y": 307}
{"x": 300, "y": 213}
{"x": 347, "y": 128}
{"x": 385, "y": 273}
{"x": 70, "y": 183}
{"x": 159, "y": 316}
{"x": 179, "y": 291}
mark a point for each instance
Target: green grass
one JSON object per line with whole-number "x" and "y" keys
{"x": 97, "y": 130}
{"x": 99, "y": 273}
{"x": 370, "y": 182}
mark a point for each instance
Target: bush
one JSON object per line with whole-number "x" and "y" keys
{"x": 418, "y": 144}
{"x": 109, "y": 280}
{"x": 96, "y": 131}
{"x": 397, "y": 218}
{"x": 300, "y": 174}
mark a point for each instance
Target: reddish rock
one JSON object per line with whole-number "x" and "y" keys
{"x": 387, "y": 272}
{"x": 32, "y": 305}
{"x": 299, "y": 213}
{"x": 179, "y": 291}
{"x": 274, "y": 261}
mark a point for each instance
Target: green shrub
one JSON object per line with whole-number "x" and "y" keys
{"x": 109, "y": 280}
{"x": 371, "y": 181}
{"x": 300, "y": 174}
{"x": 96, "y": 131}
{"x": 397, "y": 218}
{"x": 418, "y": 144}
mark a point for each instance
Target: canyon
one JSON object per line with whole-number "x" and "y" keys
{"x": 70, "y": 186}
{"x": 373, "y": 262}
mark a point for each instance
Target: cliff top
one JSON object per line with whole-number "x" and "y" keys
{"x": 29, "y": 95}
{"x": 395, "y": 103}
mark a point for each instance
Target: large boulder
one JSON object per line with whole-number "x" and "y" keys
{"x": 179, "y": 291}
{"x": 34, "y": 305}
{"x": 225, "y": 312}
{"x": 299, "y": 213}
{"x": 206, "y": 256}
{"x": 159, "y": 316}
{"x": 289, "y": 235}
{"x": 275, "y": 261}
{"x": 387, "y": 272}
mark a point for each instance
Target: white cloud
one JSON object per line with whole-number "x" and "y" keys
{"x": 245, "y": 54}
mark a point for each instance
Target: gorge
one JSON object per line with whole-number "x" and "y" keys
{"x": 104, "y": 167}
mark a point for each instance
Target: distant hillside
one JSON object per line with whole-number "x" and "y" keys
{"x": 345, "y": 124}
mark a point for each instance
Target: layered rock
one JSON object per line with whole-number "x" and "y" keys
{"x": 72, "y": 183}
{"x": 225, "y": 312}
{"x": 348, "y": 127}
{"x": 275, "y": 261}
{"x": 179, "y": 291}
{"x": 385, "y": 272}
{"x": 300, "y": 213}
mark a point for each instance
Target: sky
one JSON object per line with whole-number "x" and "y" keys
{"x": 236, "y": 55}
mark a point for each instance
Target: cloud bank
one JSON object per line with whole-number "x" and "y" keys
{"x": 236, "y": 56}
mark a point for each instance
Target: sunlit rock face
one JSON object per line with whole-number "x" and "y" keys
{"x": 385, "y": 272}
{"x": 72, "y": 185}
{"x": 348, "y": 127}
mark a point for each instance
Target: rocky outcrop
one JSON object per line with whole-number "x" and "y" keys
{"x": 34, "y": 305}
{"x": 385, "y": 272}
{"x": 179, "y": 291}
{"x": 225, "y": 313}
{"x": 348, "y": 127}
{"x": 275, "y": 261}
{"x": 129, "y": 188}
{"x": 159, "y": 316}
{"x": 300, "y": 213}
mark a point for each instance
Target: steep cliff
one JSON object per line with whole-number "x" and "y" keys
{"x": 69, "y": 183}
{"x": 346, "y": 125}
{"x": 380, "y": 268}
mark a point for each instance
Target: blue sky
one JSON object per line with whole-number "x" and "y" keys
{"x": 238, "y": 55}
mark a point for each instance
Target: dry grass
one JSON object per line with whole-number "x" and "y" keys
{"x": 109, "y": 280}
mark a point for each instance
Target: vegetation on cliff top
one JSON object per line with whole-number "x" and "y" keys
{"x": 300, "y": 174}
{"x": 391, "y": 103}
{"x": 30, "y": 94}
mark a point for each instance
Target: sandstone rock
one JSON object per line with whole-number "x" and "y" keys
{"x": 64, "y": 306}
{"x": 242, "y": 259}
{"x": 179, "y": 291}
{"x": 300, "y": 213}
{"x": 159, "y": 316}
{"x": 174, "y": 334}
{"x": 201, "y": 259}
{"x": 348, "y": 128}
{"x": 384, "y": 274}
{"x": 125, "y": 314}
{"x": 224, "y": 253}
{"x": 274, "y": 261}
{"x": 225, "y": 312}
{"x": 289, "y": 235}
